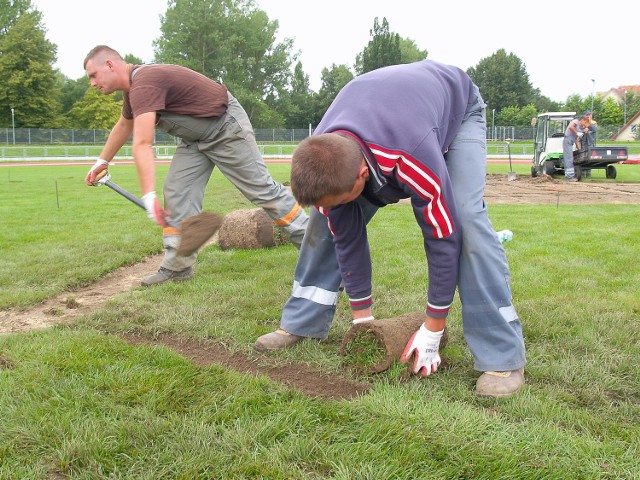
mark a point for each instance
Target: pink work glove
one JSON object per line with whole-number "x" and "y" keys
{"x": 424, "y": 346}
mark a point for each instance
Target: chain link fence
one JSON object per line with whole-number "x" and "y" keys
{"x": 45, "y": 143}
{"x": 501, "y": 134}
{"x": 68, "y": 136}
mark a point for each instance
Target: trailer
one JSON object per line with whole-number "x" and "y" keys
{"x": 547, "y": 156}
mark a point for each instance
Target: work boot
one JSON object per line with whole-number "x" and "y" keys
{"x": 500, "y": 384}
{"x": 165, "y": 275}
{"x": 276, "y": 340}
{"x": 571, "y": 179}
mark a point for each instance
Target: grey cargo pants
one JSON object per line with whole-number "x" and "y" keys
{"x": 226, "y": 142}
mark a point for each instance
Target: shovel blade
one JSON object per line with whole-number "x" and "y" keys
{"x": 511, "y": 176}
{"x": 197, "y": 230}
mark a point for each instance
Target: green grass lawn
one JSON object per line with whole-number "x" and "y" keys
{"x": 79, "y": 402}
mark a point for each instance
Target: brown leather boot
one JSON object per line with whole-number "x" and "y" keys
{"x": 500, "y": 384}
{"x": 276, "y": 340}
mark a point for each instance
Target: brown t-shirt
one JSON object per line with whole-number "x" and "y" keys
{"x": 173, "y": 89}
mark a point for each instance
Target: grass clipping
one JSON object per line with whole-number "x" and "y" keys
{"x": 250, "y": 229}
{"x": 371, "y": 347}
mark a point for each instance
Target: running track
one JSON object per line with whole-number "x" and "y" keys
{"x": 59, "y": 162}
{"x": 634, "y": 159}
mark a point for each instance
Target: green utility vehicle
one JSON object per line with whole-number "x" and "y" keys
{"x": 547, "y": 153}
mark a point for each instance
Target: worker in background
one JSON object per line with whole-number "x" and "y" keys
{"x": 574, "y": 132}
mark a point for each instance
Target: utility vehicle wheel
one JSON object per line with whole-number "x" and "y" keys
{"x": 611, "y": 172}
{"x": 534, "y": 171}
{"x": 578, "y": 171}
{"x": 549, "y": 168}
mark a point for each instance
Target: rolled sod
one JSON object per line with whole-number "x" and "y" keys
{"x": 371, "y": 347}
{"x": 250, "y": 229}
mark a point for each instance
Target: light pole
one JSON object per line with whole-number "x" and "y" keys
{"x": 493, "y": 124}
{"x": 593, "y": 92}
{"x": 13, "y": 125}
{"x": 625, "y": 107}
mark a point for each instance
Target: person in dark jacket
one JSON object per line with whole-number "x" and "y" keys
{"x": 414, "y": 131}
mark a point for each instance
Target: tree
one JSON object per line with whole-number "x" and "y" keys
{"x": 29, "y": 83}
{"x": 95, "y": 110}
{"x": 575, "y": 103}
{"x": 297, "y": 105}
{"x": 633, "y": 105}
{"x": 386, "y": 48}
{"x": 611, "y": 113}
{"x": 382, "y": 50}
{"x": 526, "y": 115}
{"x": 132, "y": 59}
{"x": 503, "y": 81}
{"x": 332, "y": 82}
{"x": 545, "y": 104}
{"x": 10, "y": 11}
{"x": 508, "y": 116}
{"x": 233, "y": 42}
{"x": 516, "y": 116}
{"x": 72, "y": 91}
{"x": 409, "y": 51}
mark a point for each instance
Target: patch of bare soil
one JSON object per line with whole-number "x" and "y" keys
{"x": 301, "y": 377}
{"x": 64, "y": 308}
{"x": 69, "y": 305}
{"x": 528, "y": 190}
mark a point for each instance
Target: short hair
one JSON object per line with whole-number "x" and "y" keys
{"x": 322, "y": 165}
{"x": 98, "y": 51}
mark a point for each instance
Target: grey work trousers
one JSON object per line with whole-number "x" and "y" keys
{"x": 226, "y": 142}
{"x": 567, "y": 157}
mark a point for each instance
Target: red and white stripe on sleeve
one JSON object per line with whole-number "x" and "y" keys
{"x": 422, "y": 181}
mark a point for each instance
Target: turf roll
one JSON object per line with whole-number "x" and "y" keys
{"x": 371, "y": 347}
{"x": 249, "y": 229}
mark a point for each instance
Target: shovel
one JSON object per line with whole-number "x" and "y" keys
{"x": 196, "y": 230}
{"x": 511, "y": 175}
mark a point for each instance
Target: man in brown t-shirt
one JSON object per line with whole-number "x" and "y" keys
{"x": 215, "y": 132}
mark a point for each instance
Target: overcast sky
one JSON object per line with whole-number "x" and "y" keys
{"x": 567, "y": 47}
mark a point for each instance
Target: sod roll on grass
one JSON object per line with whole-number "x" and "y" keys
{"x": 249, "y": 229}
{"x": 371, "y": 347}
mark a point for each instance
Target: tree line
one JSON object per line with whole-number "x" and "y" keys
{"x": 234, "y": 42}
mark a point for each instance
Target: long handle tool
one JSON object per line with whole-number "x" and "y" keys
{"x": 196, "y": 230}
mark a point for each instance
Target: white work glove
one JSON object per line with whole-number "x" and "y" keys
{"x": 580, "y": 134}
{"x": 424, "y": 345}
{"x": 154, "y": 211}
{"x": 100, "y": 165}
{"x": 370, "y": 318}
